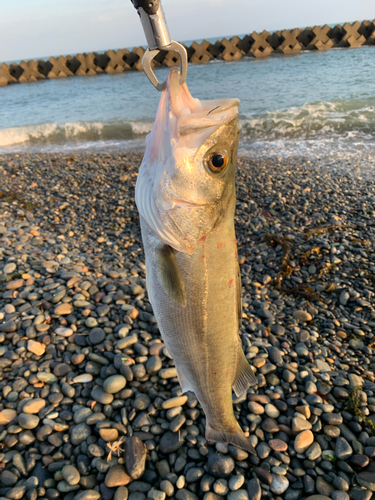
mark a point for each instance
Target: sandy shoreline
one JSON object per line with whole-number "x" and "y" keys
{"x": 83, "y": 365}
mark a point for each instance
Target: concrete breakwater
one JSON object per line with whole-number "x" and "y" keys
{"x": 254, "y": 45}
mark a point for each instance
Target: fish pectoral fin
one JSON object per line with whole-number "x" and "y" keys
{"x": 184, "y": 382}
{"x": 245, "y": 375}
{"x": 237, "y": 438}
{"x": 170, "y": 275}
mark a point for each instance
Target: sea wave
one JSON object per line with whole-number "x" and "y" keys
{"x": 345, "y": 121}
{"x": 321, "y": 118}
{"x": 49, "y": 134}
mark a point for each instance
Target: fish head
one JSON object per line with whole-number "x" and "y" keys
{"x": 186, "y": 182}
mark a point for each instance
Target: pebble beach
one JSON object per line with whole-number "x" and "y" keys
{"x": 90, "y": 405}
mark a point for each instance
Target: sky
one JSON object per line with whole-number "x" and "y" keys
{"x": 40, "y": 28}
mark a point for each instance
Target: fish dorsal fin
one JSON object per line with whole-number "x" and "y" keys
{"x": 245, "y": 375}
{"x": 170, "y": 275}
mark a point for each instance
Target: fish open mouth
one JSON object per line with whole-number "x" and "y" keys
{"x": 194, "y": 115}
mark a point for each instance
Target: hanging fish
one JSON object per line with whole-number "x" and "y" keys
{"x": 185, "y": 194}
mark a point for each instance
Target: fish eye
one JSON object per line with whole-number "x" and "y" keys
{"x": 217, "y": 161}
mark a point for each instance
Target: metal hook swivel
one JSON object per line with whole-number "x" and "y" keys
{"x": 157, "y": 35}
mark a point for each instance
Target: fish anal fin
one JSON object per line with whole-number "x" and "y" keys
{"x": 169, "y": 274}
{"x": 245, "y": 375}
{"x": 229, "y": 437}
{"x": 184, "y": 382}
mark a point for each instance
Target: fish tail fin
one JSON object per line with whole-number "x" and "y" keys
{"x": 237, "y": 438}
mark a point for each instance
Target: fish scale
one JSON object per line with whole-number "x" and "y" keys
{"x": 207, "y": 328}
{"x": 187, "y": 206}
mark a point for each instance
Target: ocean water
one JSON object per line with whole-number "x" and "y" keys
{"x": 315, "y": 104}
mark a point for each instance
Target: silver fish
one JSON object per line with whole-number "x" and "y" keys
{"x": 185, "y": 194}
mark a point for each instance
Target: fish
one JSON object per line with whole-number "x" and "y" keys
{"x": 186, "y": 198}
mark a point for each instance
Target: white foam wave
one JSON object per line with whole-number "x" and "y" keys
{"x": 312, "y": 119}
{"x": 141, "y": 128}
{"x": 313, "y": 128}
{"x": 46, "y": 134}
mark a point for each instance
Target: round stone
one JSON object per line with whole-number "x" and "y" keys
{"x": 272, "y": 411}
{"x": 277, "y": 445}
{"x": 48, "y": 378}
{"x": 279, "y": 484}
{"x": 219, "y": 465}
{"x": 367, "y": 479}
{"x": 114, "y": 384}
{"x": 340, "y": 495}
{"x": 323, "y": 487}
{"x": 154, "y": 364}
{"x": 63, "y": 309}
{"x": 170, "y": 442}
{"x": 343, "y": 449}
{"x": 122, "y": 493}
{"x": 194, "y": 474}
{"x": 100, "y": 396}
{"x": 255, "y": 408}
{"x": 303, "y": 440}
{"x": 166, "y": 373}
{"x": 137, "y": 290}
{"x": 116, "y": 476}
{"x": 359, "y": 460}
{"x": 79, "y": 433}
{"x": 277, "y": 330}
{"x": 34, "y": 406}
{"x": 91, "y": 322}
{"x": 235, "y": 482}
{"x": 9, "y": 268}
{"x": 264, "y": 475}
{"x": 300, "y": 424}
{"x": 7, "y": 415}
{"x": 36, "y": 348}
{"x": 88, "y": 495}
{"x": 70, "y": 475}
{"x": 109, "y": 435}
{"x": 64, "y": 332}
{"x": 173, "y": 402}
{"x": 238, "y": 495}
{"x": 28, "y": 421}
{"x": 83, "y": 378}
{"x": 156, "y": 495}
{"x": 221, "y": 487}
{"x": 254, "y": 489}
{"x": 302, "y": 315}
{"x": 81, "y": 415}
{"x": 97, "y": 335}
{"x": 167, "y": 487}
{"x": 318, "y": 497}
{"x": 61, "y": 369}
{"x": 8, "y": 478}
{"x": 270, "y": 425}
{"x": 313, "y": 452}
